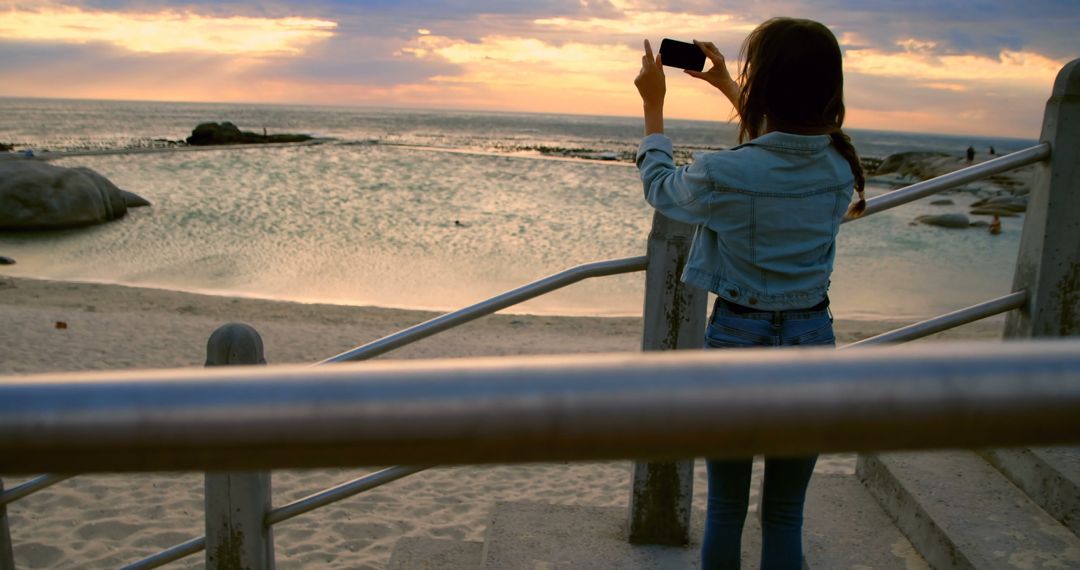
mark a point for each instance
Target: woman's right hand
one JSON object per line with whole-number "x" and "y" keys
{"x": 717, "y": 75}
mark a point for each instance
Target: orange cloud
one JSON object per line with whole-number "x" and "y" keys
{"x": 528, "y": 74}
{"x": 166, "y": 32}
{"x": 916, "y": 62}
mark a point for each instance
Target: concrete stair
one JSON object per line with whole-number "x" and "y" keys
{"x": 555, "y": 537}
{"x": 1049, "y": 475}
{"x": 960, "y": 512}
{"x": 845, "y": 528}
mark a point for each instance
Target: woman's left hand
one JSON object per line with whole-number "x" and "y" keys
{"x": 650, "y": 82}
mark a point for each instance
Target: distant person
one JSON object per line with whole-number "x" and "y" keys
{"x": 767, "y": 221}
{"x": 992, "y": 150}
{"x": 995, "y": 225}
{"x": 970, "y": 153}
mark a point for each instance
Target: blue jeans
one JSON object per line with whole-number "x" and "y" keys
{"x": 786, "y": 479}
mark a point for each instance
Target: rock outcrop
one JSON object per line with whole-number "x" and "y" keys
{"x": 904, "y": 168}
{"x": 40, "y": 196}
{"x": 918, "y": 165}
{"x": 227, "y": 133}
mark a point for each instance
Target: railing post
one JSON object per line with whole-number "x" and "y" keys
{"x": 1048, "y": 264}
{"x": 7, "y": 555}
{"x": 674, "y": 318}
{"x": 237, "y": 536}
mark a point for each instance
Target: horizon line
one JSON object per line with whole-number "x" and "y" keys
{"x": 479, "y": 110}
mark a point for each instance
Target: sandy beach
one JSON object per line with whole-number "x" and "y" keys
{"x": 101, "y": 520}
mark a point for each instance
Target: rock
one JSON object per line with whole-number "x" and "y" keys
{"x": 6, "y": 260}
{"x": 944, "y": 202}
{"x": 953, "y": 220}
{"x": 39, "y": 196}
{"x": 1007, "y": 203}
{"x": 206, "y": 134}
{"x": 133, "y": 200}
{"x": 989, "y": 211}
{"x": 4, "y": 147}
{"x": 920, "y": 165}
{"x": 914, "y": 166}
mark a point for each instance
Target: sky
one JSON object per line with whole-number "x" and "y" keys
{"x": 976, "y": 67}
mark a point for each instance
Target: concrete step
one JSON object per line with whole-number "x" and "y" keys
{"x": 1049, "y": 475}
{"x": 418, "y": 553}
{"x": 960, "y": 512}
{"x": 524, "y": 535}
{"x": 844, "y": 527}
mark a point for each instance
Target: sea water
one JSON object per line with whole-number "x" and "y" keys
{"x": 439, "y": 209}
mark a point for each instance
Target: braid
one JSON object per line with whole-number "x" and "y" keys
{"x": 843, "y": 145}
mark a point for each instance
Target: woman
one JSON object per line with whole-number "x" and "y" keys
{"x": 767, "y": 213}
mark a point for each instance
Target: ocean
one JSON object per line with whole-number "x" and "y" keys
{"x": 439, "y": 209}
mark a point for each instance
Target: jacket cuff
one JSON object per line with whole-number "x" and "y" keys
{"x": 655, "y": 141}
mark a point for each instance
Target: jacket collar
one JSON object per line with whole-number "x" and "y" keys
{"x": 781, "y": 141}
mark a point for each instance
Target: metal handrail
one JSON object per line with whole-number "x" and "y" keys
{"x": 172, "y": 554}
{"x": 665, "y": 404}
{"x": 339, "y": 492}
{"x": 948, "y": 321}
{"x": 30, "y": 487}
{"x": 489, "y": 306}
{"x": 373, "y": 480}
{"x": 1020, "y": 158}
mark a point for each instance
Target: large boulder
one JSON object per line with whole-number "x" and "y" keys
{"x": 206, "y": 134}
{"x": 918, "y": 165}
{"x": 36, "y": 195}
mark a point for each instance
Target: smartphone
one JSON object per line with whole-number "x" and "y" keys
{"x": 682, "y": 55}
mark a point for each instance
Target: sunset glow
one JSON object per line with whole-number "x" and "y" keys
{"x": 167, "y": 31}
{"x": 573, "y": 57}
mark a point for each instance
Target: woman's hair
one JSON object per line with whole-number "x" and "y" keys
{"x": 792, "y": 76}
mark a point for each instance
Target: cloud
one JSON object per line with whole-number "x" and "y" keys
{"x": 1011, "y": 67}
{"x": 922, "y": 65}
{"x": 169, "y": 31}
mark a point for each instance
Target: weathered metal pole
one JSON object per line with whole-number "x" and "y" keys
{"x": 237, "y": 536}
{"x": 1048, "y": 265}
{"x": 674, "y": 318}
{"x": 7, "y": 556}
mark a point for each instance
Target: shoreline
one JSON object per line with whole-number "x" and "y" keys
{"x": 118, "y": 326}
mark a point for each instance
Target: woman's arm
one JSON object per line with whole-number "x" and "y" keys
{"x": 652, "y": 87}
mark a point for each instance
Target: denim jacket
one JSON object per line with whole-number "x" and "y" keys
{"x": 767, "y": 213}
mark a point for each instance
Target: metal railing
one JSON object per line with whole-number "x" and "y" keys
{"x": 984, "y": 397}
{"x": 544, "y": 408}
{"x": 489, "y": 306}
{"x": 1012, "y": 161}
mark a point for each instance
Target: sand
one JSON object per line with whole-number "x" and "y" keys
{"x": 102, "y": 520}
